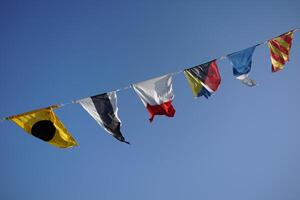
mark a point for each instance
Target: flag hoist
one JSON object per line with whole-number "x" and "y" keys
{"x": 156, "y": 94}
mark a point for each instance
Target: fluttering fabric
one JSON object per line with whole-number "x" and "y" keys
{"x": 204, "y": 79}
{"x": 157, "y": 95}
{"x": 241, "y": 62}
{"x": 280, "y": 50}
{"x": 103, "y": 108}
{"x": 45, "y": 125}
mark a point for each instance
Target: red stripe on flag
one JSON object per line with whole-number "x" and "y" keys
{"x": 213, "y": 78}
{"x": 278, "y": 58}
{"x": 287, "y": 39}
{"x": 279, "y": 47}
{"x": 165, "y": 108}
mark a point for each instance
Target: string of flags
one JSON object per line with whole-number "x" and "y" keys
{"x": 156, "y": 94}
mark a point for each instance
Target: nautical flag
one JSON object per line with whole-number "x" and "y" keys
{"x": 204, "y": 79}
{"x": 157, "y": 95}
{"x": 103, "y": 108}
{"x": 241, "y": 62}
{"x": 45, "y": 125}
{"x": 280, "y": 50}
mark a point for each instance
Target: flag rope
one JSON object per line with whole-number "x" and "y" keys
{"x": 3, "y": 119}
{"x": 181, "y": 71}
{"x": 172, "y": 73}
{"x": 122, "y": 89}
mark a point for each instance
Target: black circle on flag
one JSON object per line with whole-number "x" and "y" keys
{"x": 45, "y": 130}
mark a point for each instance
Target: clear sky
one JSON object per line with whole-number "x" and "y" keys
{"x": 241, "y": 144}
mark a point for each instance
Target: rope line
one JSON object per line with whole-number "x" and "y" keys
{"x": 172, "y": 73}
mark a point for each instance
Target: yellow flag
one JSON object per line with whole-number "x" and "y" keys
{"x": 45, "y": 125}
{"x": 194, "y": 82}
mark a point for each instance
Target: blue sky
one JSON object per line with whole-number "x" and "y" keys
{"x": 242, "y": 143}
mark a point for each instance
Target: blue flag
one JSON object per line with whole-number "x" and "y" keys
{"x": 241, "y": 62}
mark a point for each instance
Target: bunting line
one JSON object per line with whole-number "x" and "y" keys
{"x": 181, "y": 71}
{"x": 172, "y": 73}
{"x": 3, "y": 119}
